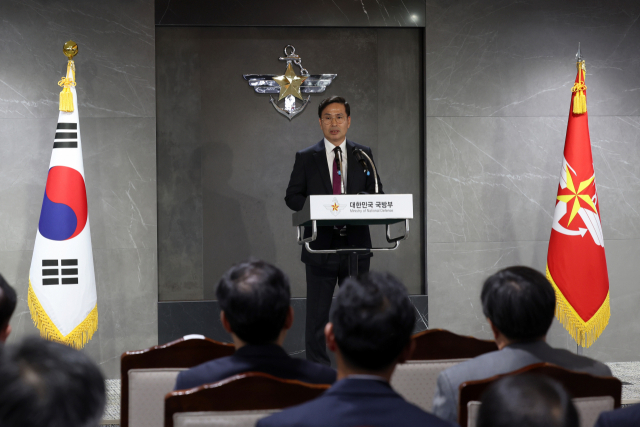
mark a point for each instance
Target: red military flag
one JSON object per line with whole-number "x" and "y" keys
{"x": 576, "y": 263}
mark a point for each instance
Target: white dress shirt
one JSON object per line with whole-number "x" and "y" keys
{"x": 329, "y": 147}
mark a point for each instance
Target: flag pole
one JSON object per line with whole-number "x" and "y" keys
{"x": 579, "y": 349}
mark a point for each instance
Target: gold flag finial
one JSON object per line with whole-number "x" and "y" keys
{"x": 70, "y": 49}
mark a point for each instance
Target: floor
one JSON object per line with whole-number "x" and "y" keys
{"x": 627, "y": 372}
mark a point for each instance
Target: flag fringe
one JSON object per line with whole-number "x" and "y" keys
{"x": 584, "y": 333}
{"x": 48, "y": 330}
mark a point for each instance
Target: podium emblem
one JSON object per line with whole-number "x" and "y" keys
{"x": 290, "y": 86}
{"x": 334, "y": 207}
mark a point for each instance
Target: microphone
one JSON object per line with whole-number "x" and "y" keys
{"x": 358, "y": 155}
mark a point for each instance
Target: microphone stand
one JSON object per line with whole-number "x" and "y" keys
{"x": 375, "y": 172}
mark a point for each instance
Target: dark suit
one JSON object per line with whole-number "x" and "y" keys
{"x": 510, "y": 358}
{"x": 269, "y": 358}
{"x": 355, "y": 403}
{"x": 625, "y": 417}
{"x": 310, "y": 176}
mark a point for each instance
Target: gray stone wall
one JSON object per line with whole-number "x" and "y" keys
{"x": 225, "y": 155}
{"x": 499, "y": 78}
{"x": 116, "y": 92}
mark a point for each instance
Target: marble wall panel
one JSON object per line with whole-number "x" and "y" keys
{"x": 458, "y": 270}
{"x": 496, "y": 179}
{"x": 116, "y": 91}
{"x": 248, "y": 148}
{"x": 513, "y": 58}
{"x": 321, "y": 13}
{"x": 179, "y": 165}
{"x": 126, "y": 283}
{"x": 618, "y": 342}
{"x": 115, "y": 63}
{"x": 400, "y": 146}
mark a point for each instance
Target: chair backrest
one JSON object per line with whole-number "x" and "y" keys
{"x": 589, "y": 408}
{"x": 242, "y": 392}
{"x": 416, "y": 380}
{"x": 440, "y": 344}
{"x": 147, "y": 375}
{"x": 220, "y": 419}
{"x": 578, "y": 384}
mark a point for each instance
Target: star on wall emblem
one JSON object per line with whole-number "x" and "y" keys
{"x": 290, "y": 86}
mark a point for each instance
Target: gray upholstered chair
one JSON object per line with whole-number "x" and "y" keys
{"x": 148, "y": 375}
{"x": 593, "y": 394}
{"x": 220, "y": 419}
{"x": 436, "y": 350}
{"x": 241, "y": 399}
{"x": 589, "y": 408}
{"x": 416, "y": 380}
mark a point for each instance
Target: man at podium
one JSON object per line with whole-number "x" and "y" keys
{"x": 329, "y": 167}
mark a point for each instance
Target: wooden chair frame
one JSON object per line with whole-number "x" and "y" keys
{"x": 242, "y": 392}
{"x": 440, "y": 344}
{"x": 181, "y": 353}
{"x": 578, "y": 384}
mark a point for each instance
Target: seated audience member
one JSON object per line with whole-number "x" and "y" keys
{"x": 46, "y": 384}
{"x": 624, "y": 417}
{"x": 370, "y": 332}
{"x": 527, "y": 401}
{"x": 519, "y": 303}
{"x": 254, "y": 299}
{"x": 7, "y": 306}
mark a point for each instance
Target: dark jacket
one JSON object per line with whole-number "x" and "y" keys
{"x": 269, "y": 358}
{"x": 355, "y": 403}
{"x": 625, "y": 417}
{"x": 310, "y": 176}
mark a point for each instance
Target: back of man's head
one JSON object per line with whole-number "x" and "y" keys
{"x": 46, "y": 384}
{"x": 520, "y": 302}
{"x": 372, "y": 320}
{"x": 255, "y": 298}
{"x": 8, "y": 301}
{"x": 527, "y": 401}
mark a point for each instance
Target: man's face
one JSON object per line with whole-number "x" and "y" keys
{"x": 335, "y": 123}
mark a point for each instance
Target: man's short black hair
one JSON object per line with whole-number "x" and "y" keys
{"x": 333, "y": 100}
{"x": 520, "y": 302}
{"x": 255, "y": 298}
{"x": 372, "y": 320}
{"x": 527, "y": 401}
{"x": 46, "y": 384}
{"x": 8, "y": 299}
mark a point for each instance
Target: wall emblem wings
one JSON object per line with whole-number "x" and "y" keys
{"x": 290, "y": 86}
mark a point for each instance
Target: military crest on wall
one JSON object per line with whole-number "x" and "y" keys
{"x": 290, "y": 86}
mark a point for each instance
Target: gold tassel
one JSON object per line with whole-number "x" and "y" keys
{"x": 579, "y": 89}
{"x": 66, "y": 96}
{"x": 584, "y": 333}
{"x": 77, "y": 338}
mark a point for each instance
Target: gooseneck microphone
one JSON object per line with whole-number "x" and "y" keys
{"x": 373, "y": 166}
{"x": 361, "y": 160}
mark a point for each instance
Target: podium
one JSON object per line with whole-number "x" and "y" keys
{"x": 354, "y": 209}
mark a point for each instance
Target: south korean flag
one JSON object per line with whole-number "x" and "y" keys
{"x": 62, "y": 286}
